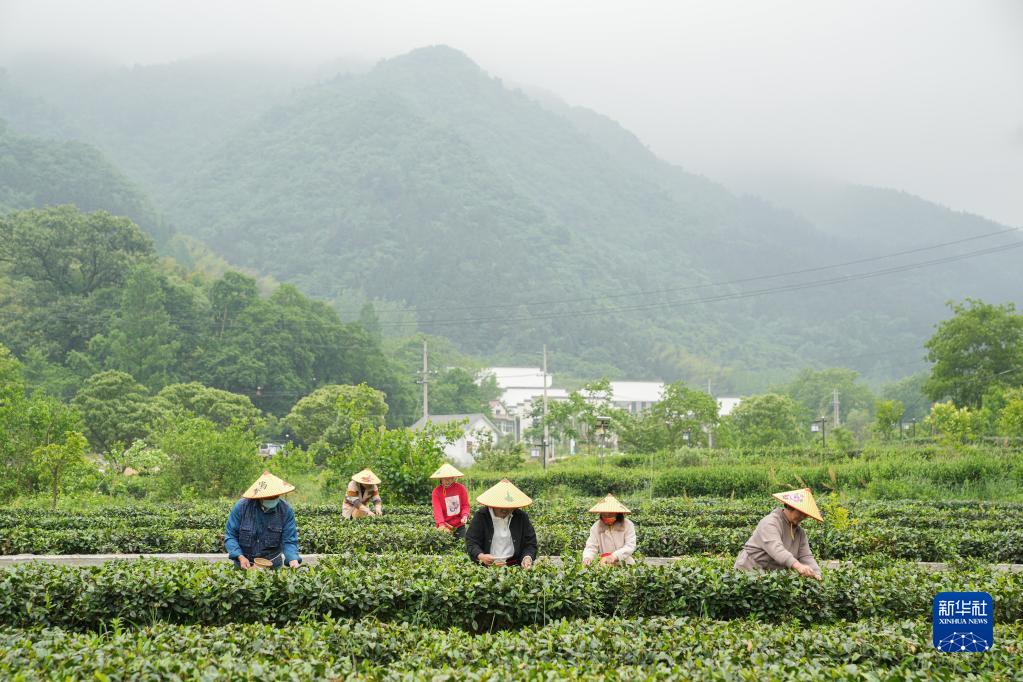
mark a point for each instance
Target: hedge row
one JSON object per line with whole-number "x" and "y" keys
{"x": 723, "y": 512}
{"x": 213, "y": 514}
{"x": 934, "y": 543}
{"x": 452, "y": 592}
{"x": 680, "y": 648}
{"x": 759, "y": 479}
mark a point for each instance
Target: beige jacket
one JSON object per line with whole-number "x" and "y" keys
{"x": 619, "y": 540}
{"x": 359, "y": 496}
{"x": 775, "y": 545}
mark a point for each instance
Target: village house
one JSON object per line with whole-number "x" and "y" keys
{"x": 476, "y": 429}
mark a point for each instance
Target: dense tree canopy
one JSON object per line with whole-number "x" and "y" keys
{"x": 980, "y": 347}
{"x": 768, "y": 419}
{"x": 98, "y": 301}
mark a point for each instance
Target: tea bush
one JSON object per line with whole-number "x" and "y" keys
{"x": 453, "y": 592}
{"x": 618, "y": 648}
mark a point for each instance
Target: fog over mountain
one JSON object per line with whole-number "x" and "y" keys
{"x": 673, "y": 192}
{"x": 921, "y": 98}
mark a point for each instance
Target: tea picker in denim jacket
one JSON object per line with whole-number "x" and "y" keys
{"x": 261, "y": 530}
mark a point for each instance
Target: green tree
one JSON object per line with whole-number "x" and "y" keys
{"x": 814, "y": 392}
{"x": 65, "y": 266}
{"x": 687, "y": 415}
{"x": 12, "y": 385}
{"x": 50, "y": 377}
{"x": 957, "y": 425}
{"x": 768, "y": 419}
{"x": 888, "y": 417}
{"x": 356, "y": 408}
{"x": 116, "y": 409}
{"x": 142, "y": 340}
{"x": 456, "y": 391}
{"x": 72, "y": 252}
{"x": 1010, "y": 419}
{"x": 980, "y": 347}
{"x": 403, "y": 459}
{"x": 205, "y": 461}
{"x": 55, "y": 460}
{"x": 575, "y": 418}
{"x": 910, "y": 392}
{"x": 28, "y": 423}
{"x": 220, "y": 407}
{"x": 312, "y": 415}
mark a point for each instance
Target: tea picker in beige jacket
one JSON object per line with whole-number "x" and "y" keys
{"x": 362, "y": 499}
{"x": 779, "y": 543}
{"x": 612, "y": 536}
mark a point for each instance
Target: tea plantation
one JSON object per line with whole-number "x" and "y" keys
{"x": 402, "y": 601}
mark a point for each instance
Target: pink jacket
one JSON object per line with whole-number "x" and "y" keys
{"x": 619, "y": 540}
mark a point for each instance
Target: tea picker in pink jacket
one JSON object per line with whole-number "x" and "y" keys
{"x": 450, "y": 501}
{"x": 612, "y": 537}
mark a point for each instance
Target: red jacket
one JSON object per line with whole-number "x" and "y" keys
{"x": 451, "y": 505}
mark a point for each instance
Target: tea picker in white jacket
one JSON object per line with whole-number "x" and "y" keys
{"x": 612, "y": 537}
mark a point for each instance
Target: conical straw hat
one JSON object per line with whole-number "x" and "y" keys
{"x": 802, "y": 500}
{"x": 366, "y": 477}
{"x": 266, "y": 486}
{"x": 609, "y": 505}
{"x": 504, "y": 495}
{"x": 447, "y": 471}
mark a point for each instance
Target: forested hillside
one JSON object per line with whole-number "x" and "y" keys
{"x": 84, "y": 293}
{"x": 37, "y": 172}
{"x": 504, "y": 220}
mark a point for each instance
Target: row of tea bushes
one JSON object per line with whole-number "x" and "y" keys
{"x": 619, "y": 648}
{"x": 990, "y": 540}
{"x": 452, "y": 592}
{"x": 762, "y": 478}
{"x": 653, "y": 511}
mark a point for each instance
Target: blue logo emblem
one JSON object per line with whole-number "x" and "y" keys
{"x": 963, "y": 621}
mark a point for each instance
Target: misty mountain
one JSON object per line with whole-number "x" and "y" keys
{"x": 36, "y": 172}
{"x": 504, "y": 219}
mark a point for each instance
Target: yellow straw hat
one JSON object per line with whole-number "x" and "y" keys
{"x": 802, "y": 500}
{"x": 366, "y": 477}
{"x": 266, "y": 486}
{"x": 504, "y": 495}
{"x": 447, "y": 471}
{"x": 609, "y": 505}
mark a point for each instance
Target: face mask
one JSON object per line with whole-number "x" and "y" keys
{"x": 608, "y": 521}
{"x": 269, "y": 504}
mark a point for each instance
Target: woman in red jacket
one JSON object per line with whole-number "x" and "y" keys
{"x": 450, "y": 501}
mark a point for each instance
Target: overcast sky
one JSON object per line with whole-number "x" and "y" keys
{"x": 920, "y": 95}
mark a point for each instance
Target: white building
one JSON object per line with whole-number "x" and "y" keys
{"x": 726, "y": 405}
{"x": 477, "y": 429}
{"x": 520, "y": 387}
{"x": 636, "y": 396}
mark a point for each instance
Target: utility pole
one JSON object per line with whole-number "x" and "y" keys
{"x": 835, "y": 405}
{"x": 819, "y": 425}
{"x": 546, "y": 428}
{"x": 425, "y": 381}
{"x": 710, "y": 427}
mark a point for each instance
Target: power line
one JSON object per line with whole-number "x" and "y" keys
{"x": 721, "y": 297}
{"x": 692, "y": 287}
{"x": 189, "y": 323}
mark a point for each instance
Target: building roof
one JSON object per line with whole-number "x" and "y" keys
{"x": 517, "y": 377}
{"x": 513, "y": 397}
{"x": 637, "y": 391}
{"x": 442, "y": 419}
